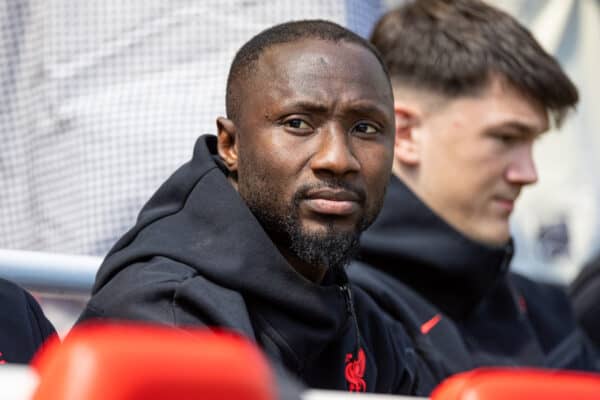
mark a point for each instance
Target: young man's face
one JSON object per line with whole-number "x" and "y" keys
{"x": 475, "y": 156}
{"x": 315, "y": 139}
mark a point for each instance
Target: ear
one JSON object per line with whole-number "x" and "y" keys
{"x": 406, "y": 149}
{"x": 227, "y": 143}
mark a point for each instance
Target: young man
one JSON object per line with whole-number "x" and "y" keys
{"x": 473, "y": 91}
{"x": 253, "y": 233}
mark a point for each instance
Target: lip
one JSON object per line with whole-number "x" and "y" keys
{"x": 332, "y": 202}
{"x": 505, "y": 204}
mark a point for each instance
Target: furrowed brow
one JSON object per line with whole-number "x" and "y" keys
{"x": 369, "y": 110}
{"x": 308, "y": 106}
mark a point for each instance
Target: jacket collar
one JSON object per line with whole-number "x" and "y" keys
{"x": 414, "y": 245}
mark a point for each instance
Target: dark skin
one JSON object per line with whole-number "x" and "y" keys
{"x": 316, "y": 126}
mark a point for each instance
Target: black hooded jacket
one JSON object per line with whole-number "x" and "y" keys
{"x": 23, "y": 325}
{"x": 457, "y": 298}
{"x": 197, "y": 256}
{"x": 585, "y": 296}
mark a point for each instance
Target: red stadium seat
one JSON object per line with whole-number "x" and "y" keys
{"x": 134, "y": 362}
{"x": 511, "y": 384}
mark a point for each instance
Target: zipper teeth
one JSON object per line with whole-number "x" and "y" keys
{"x": 508, "y": 253}
{"x": 350, "y": 309}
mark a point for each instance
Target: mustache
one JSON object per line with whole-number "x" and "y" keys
{"x": 332, "y": 184}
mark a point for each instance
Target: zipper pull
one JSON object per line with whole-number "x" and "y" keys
{"x": 345, "y": 288}
{"x": 347, "y": 299}
{"x": 508, "y": 254}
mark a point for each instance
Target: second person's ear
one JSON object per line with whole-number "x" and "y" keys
{"x": 406, "y": 149}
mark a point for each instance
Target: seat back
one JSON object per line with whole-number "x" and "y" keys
{"x": 131, "y": 362}
{"x": 516, "y": 383}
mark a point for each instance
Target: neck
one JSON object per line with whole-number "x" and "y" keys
{"x": 311, "y": 272}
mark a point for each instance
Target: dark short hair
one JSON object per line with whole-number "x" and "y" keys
{"x": 452, "y": 47}
{"x": 244, "y": 62}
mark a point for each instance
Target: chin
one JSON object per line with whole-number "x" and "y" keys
{"x": 500, "y": 242}
{"x": 495, "y": 235}
{"x": 499, "y": 239}
{"x": 496, "y": 232}
{"x": 329, "y": 225}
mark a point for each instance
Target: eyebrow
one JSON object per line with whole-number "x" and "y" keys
{"x": 520, "y": 127}
{"x": 310, "y": 106}
{"x": 360, "y": 107}
{"x": 369, "y": 108}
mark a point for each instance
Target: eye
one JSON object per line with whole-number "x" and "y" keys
{"x": 366, "y": 129}
{"x": 506, "y": 138}
{"x": 297, "y": 124}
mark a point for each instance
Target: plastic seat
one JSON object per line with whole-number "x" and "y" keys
{"x": 148, "y": 362}
{"x": 514, "y": 383}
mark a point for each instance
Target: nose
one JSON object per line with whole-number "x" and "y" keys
{"x": 334, "y": 155}
{"x": 522, "y": 170}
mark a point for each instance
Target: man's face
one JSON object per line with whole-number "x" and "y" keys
{"x": 315, "y": 140}
{"x": 475, "y": 156}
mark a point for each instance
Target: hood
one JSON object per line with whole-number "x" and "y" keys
{"x": 414, "y": 245}
{"x": 197, "y": 218}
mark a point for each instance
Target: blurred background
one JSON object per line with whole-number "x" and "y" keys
{"x": 101, "y": 101}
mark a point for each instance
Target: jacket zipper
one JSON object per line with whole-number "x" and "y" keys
{"x": 508, "y": 254}
{"x": 347, "y": 293}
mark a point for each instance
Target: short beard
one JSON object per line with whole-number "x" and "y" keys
{"x": 331, "y": 249}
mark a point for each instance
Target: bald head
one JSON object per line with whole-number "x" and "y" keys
{"x": 244, "y": 65}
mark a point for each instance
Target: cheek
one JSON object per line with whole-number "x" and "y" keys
{"x": 265, "y": 172}
{"x": 474, "y": 163}
{"x": 487, "y": 169}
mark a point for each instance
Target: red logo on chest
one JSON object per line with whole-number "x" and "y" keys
{"x": 355, "y": 370}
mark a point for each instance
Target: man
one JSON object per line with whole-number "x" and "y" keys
{"x": 473, "y": 91}
{"x": 253, "y": 233}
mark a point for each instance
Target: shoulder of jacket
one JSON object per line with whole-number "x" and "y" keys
{"x": 171, "y": 292}
{"x": 536, "y": 291}
{"x": 12, "y": 291}
{"x": 390, "y": 293}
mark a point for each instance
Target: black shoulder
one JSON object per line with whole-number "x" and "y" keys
{"x": 551, "y": 314}
{"x": 23, "y": 325}
{"x": 585, "y": 296}
{"x": 168, "y": 292}
{"x": 142, "y": 291}
{"x": 391, "y": 295}
{"x": 545, "y": 297}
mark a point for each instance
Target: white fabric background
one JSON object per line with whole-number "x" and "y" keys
{"x": 101, "y": 100}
